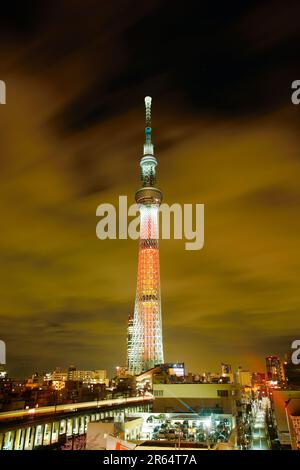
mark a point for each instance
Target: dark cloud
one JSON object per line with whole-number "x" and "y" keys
{"x": 277, "y": 195}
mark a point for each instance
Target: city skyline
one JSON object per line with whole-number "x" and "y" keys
{"x": 227, "y": 135}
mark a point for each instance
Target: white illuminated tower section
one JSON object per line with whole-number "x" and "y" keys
{"x": 146, "y": 344}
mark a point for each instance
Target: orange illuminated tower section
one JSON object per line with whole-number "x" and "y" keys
{"x": 146, "y": 346}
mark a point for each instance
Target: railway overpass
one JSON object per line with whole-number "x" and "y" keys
{"x": 46, "y": 426}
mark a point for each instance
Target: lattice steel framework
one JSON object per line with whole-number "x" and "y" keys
{"x": 146, "y": 349}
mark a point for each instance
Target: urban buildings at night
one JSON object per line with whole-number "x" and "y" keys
{"x": 275, "y": 369}
{"x": 229, "y": 409}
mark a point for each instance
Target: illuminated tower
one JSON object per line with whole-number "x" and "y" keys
{"x": 146, "y": 343}
{"x": 129, "y": 339}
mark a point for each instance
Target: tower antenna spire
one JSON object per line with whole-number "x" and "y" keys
{"x": 148, "y": 102}
{"x": 148, "y": 147}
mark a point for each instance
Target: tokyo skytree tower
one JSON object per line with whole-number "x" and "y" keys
{"x": 145, "y": 348}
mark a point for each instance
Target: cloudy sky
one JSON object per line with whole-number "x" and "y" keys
{"x": 226, "y": 134}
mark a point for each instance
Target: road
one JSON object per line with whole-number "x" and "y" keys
{"x": 259, "y": 431}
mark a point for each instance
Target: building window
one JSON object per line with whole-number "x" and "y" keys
{"x": 222, "y": 393}
{"x": 158, "y": 393}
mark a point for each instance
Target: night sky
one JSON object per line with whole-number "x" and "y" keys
{"x": 226, "y": 134}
